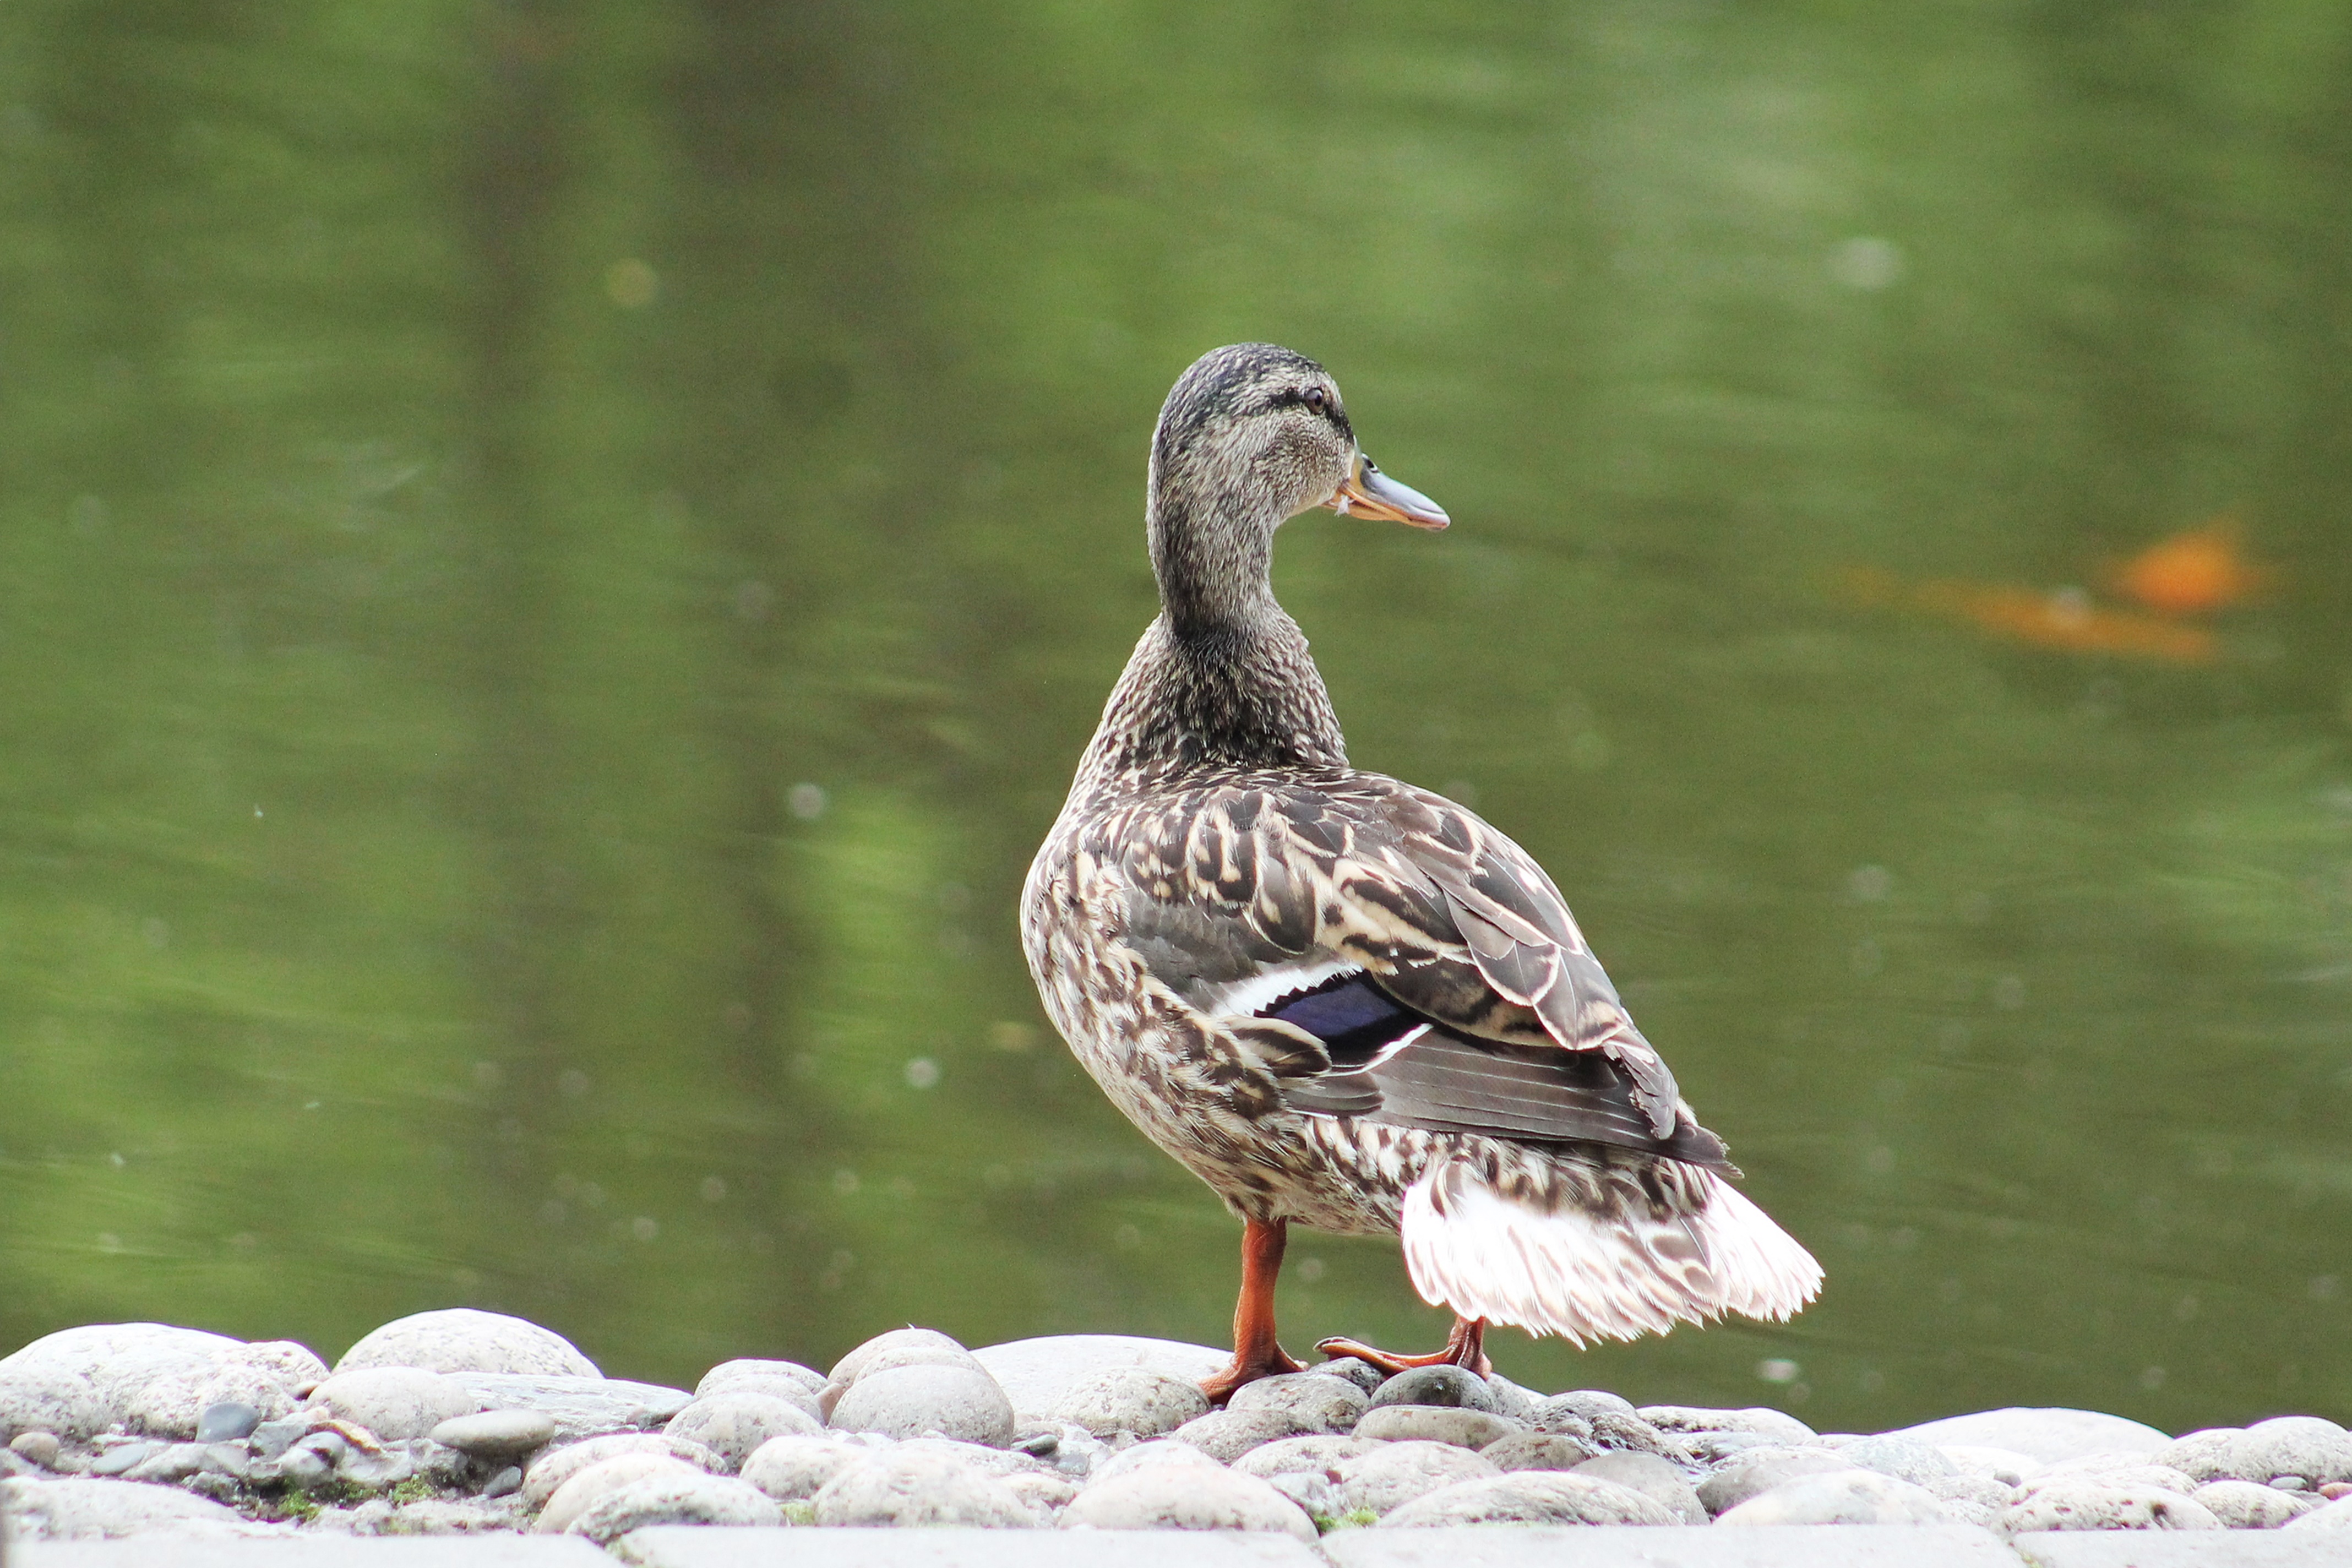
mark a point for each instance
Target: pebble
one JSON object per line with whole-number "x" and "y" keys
{"x": 580, "y": 1406}
{"x": 1226, "y": 1434}
{"x": 41, "y": 1448}
{"x": 792, "y": 1467}
{"x": 1317, "y": 1401}
{"x": 1312, "y": 1490}
{"x": 464, "y": 1338}
{"x": 1972, "y": 1499}
{"x": 2244, "y": 1505}
{"x": 901, "y": 1488}
{"x": 1511, "y": 1400}
{"x": 1538, "y": 1451}
{"x": 727, "y": 1373}
{"x": 393, "y": 1402}
{"x": 1463, "y": 1429}
{"x": 1763, "y": 1422}
{"x": 1661, "y": 1482}
{"x": 1036, "y": 1373}
{"x": 1144, "y": 1456}
{"x": 2162, "y": 1477}
{"x": 1443, "y": 1385}
{"x": 1905, "y": 1458}
{"x": 581, "y": 1490}
{"x": 2004, "y": 1465}
{"x": 551, "y": 1469}
{"x": 1131, "y": 1399}
{"x": 80, "y": 1508}
{"x": 1839, "y": 1496}
{"x": 2336, "y": 1516}
{"x": 1395, "y": 1473}
{"x": 844, "y": 1371}
{"x": 1530, "y": 1497}
{"x": 497, "y": 1434}
{"x": 2318, "y": 1450}
{"x": 957, "y": 1401}
{"x": 77, "y": 1382}
{"x": 2048, "y": 1434}
{"x": 1315, "y": 1456}
{"x": 1613, "y": 1429}
{"x": 1583, "y": 1404}
{"x": 1362, "y": 1374}
{"x": 226, "y": 1421}
{"x": 684, "y": 1496}
{"x": 125, "y": 1457}
{"x": 732, "y": 1424}
{"x": 2090, "y": 1503}
{"x": 1184, "y": 1497}
{"x": 173, "y": 1406}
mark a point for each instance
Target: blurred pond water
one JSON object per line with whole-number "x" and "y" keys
{"x": 560, "y": 557}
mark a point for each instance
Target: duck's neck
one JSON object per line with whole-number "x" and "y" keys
{"x": 1239, "y": 696}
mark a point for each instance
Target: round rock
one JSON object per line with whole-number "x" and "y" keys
{"x": 2336, "y": 1516}
{"x": 2208, "y": 1455}
{"x": 960, "y": 1402}
{"x": 844, "y": 1371}
{"x": 1317, "y": 1401}
{"x": 548, "y": 1472}
{"x": 727, "y": 1374}
{"x": 1776, "y": 1425}
{"x": 1529, "y": 1497}
{"x": 1463, "y": 1429}
{"x": 2048, "y": 1434}
{"x": 77, "y": 1382}
{"x": 1395, "y": 1473}
{"x": 1319, "y": 1455}
{"x": 1758, "y": 1471}
{"x": 1132, "y": 1399}
{"x": 2243, "y": 1505}
{"x": 792, "y": 1468}
{"x": 497, "y": 1434}
{"x": 393, "y": 1402}
{"x": 1839, "y": 1496}
{"x": 685, "y": 1496}
{"x": 733, "y": 1424}
{"x": 1455, "y": 1386}
{"x": 80, "y": 1508}
{"x": 1036, "y": 1373}
{"x": 1538, "y": 1451}
{"x": 1653, "y": 1478}
{"x": 1362, "y": 1374}
{"x": 1584, "y": 1404}
{"x": 584, "y": 1486}
{"x": 227, "y": 1422}
{"x": 1226, "y": 1434}
{"x": 1902, "y": 1457}
{"x": 462, "y": 1338}
{"x": 900, "y": 1488}
{"x": 41, "y": 1448}
{"x": 1185, "y": 1497}
{"x": 2090, "y": 1504}
{"x": 2318, "y": 1450}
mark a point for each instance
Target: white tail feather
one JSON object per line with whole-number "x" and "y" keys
{"x": 1589, "y": 1276}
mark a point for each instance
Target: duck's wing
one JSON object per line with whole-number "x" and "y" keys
{"x": 1388, "y": 954}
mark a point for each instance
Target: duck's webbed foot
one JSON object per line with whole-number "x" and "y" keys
{"x": 1465, "y": 1347}
{"x": 1272, "y": 1362}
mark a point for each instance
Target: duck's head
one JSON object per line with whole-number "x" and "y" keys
{"x": 1250, "y": 436}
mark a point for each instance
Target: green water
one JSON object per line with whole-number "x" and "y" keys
{"x": 558, "y": 559}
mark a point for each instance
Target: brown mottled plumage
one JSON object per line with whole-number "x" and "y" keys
{"x": 1339, "y": 999}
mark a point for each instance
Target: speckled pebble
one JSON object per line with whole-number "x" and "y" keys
{"x": 908, "y": 1401}
{"x": 2336, "y": 1516}
{"x": 1362, "y": 1374}
{"x": 2307, "y": 1446}
{"x": 1463, "y": 1429}
{"x": 2097, "y": 1504}
{"x": 844, "y": 1371}
{"x": 1529, "y": 1497}
{"x": 1839, "y": 1496}
{"x": 1441, "y": 1385}
{"x": 1318, "y": 1454}
{"x": 1903, "y": 1458}
{"x": 2245, "y": 1505}
{"x": 1583, "y": 1404}
{"x": 1317, "y": 1401}
{"x": 1226, "y": 1434}
{"x": 1655, "y": 1478}
{"x": 895, "y": 1488}
{"x": 462, "y": 1338}
{"x": 549, "y": 1471}
{"x": 2209, "y": 1454}
{"x": 732, "y": 1424}
{"x": 1132, "y": 1399}
{"x": 584, "y": 1486}
{"x": 1538, "y": 1451}
{"x": 792, "y": 1467}
{"x": 729, "y": 1374}
{"x": 41, "y": 1448}
{"x": 1178, "y": 1496}
{"x": 683, "y": 1496}
{"x": 1395, "y": 1473}
{"x": 1611, "y": 1429}
{"x": 1767, "y": 1423}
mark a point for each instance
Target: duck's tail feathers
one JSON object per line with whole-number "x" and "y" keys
{"x": 1584, "y": 1275}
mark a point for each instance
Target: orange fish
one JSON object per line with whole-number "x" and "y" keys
{"x": 2192, "y": 573}
{"x": 2064, "y": 619}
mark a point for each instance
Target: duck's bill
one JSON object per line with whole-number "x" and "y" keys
{"x": 1368, "y": 493}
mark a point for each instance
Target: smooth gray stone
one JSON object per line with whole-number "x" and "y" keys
{"x": 227, "y": 1422}
{"x": 580, "y": 1406}
{"x": 272, "y": 1438}
{"x": 168, "y": 1465}
{"x": 1131, "y": 1399}
{"x": 1670, "y": 1546}
{"x": 960, "y": 1401}
{"x": 1036, "y": 1373}
{"x": 1530, "y": 1497}
{"x": 1760, "y": 1419}
{"x": 2163, "y": 1549}
{"x": 318, "y": 1552}
{"x": 1362, "y": 1374}
{"x": 1585, "y": 1403}
{"x": 2209, "y": 1454}
{"x": 1317, "y": 1401}
{"x": 124, "y": 1457}
{"x": 591, "y": 1485}
{"x": 41, "y": 1448}
{"x": 1444, "y": 1386}
{"x": 1511, "y": 1400}
{"x": 1614, "y": 1429}
{"x": 464, "y": 1338}
{"x": 1226, "y": 1434}
{"x": 497, "y": 1434}
{"x": 1538, "y": 1451}
{"x": 1653, "y": 1478}
{"x": 1463, "y": 1427}
{"x": 2335, "y": 1519}
{"x": 1318, "y": 1494}
{"x": 2049, "y": 1435}
{"x": 670, "y": 1548}
{"x": 733, "y": 1424}
{"x": 2307, "y": 1446}
{"x": 1142, "y": 1456}
{"x": 794, "y": 1468}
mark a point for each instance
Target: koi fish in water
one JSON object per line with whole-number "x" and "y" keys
{"x": 2194, "y": 572}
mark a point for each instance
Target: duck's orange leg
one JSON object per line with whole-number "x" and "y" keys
{"x": 1256, "y": 1353}
{"x": 1465, "y": 1347}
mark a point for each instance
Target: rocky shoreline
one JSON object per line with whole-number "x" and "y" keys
{"x": 463, "y": 1422}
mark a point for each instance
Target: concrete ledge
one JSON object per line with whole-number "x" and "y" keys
{"x": 312, "y": 1552}
{"x": 2183, "y": 1549}
{"x": 1680, "y": 1546}
{"x": 676, "y": 1546}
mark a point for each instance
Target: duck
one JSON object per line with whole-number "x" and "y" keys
{"x": 1341, "y": 1001}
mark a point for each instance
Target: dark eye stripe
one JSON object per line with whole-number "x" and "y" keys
{"x": 1296, "y": 397}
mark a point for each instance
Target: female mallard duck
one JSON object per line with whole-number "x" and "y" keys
{"x": 1339, "y": 999}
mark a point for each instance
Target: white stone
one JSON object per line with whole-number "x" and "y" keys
{"x": 908, "y": 1401}
{"x": 1226, "y": 1434}
{"x": 1463, "y": 1429}
{"x": 2048, "y": 1434}
{"x": 2336, "y": 1516}
{"x": 580, "y": 1406}
{"x": 894, "y": 1488}
{"x": 1185, "y": 1497}
{"x": 82, "y": 1509}
{"x": 791, "y": 1469}
{"x": 557, "y": 1466}
{"x": 2307, "y": 1446}
{"x": 844, "y": 1371}
{"x": 685, "y": 1496}
{"x": 1395, "y": 1473}
{"x": 1839, "y": 1496}
{"x": 497, "y": 1434}
{"x": 1531, "y": 1497}
{"x": 76, "y": 1383}
{"x": 2247, "y": 1505}
{"x": 1317, "y": 1455}
{"x": 2091, "y": 1503}
{"x": 1658, "y": 1479}
{"x": 1777, "y": 1425}
{"x": 1146, "y": 1456}
{"x": 1131, "y": 1399}
{"x": 581, "y": 1490}
{"x": 726, "y": 1373}
{"x": 1760, "y": 1470}
{"x": 1317, "y": 1401}
{"x": 1539, "y": 1451}
{"x": 2209, "y": 1454}
{"x": 2006, "y": 1465}
{"x": 393, "y": 1402}
{"x": 462, "y": 1338}
{"x": 733, "y": 1424}
{"x": 1036, "y": 1373}
{"x": 2105, "y": 1470}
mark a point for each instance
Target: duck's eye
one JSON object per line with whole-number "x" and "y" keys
{"x": 1318, "y": 401}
